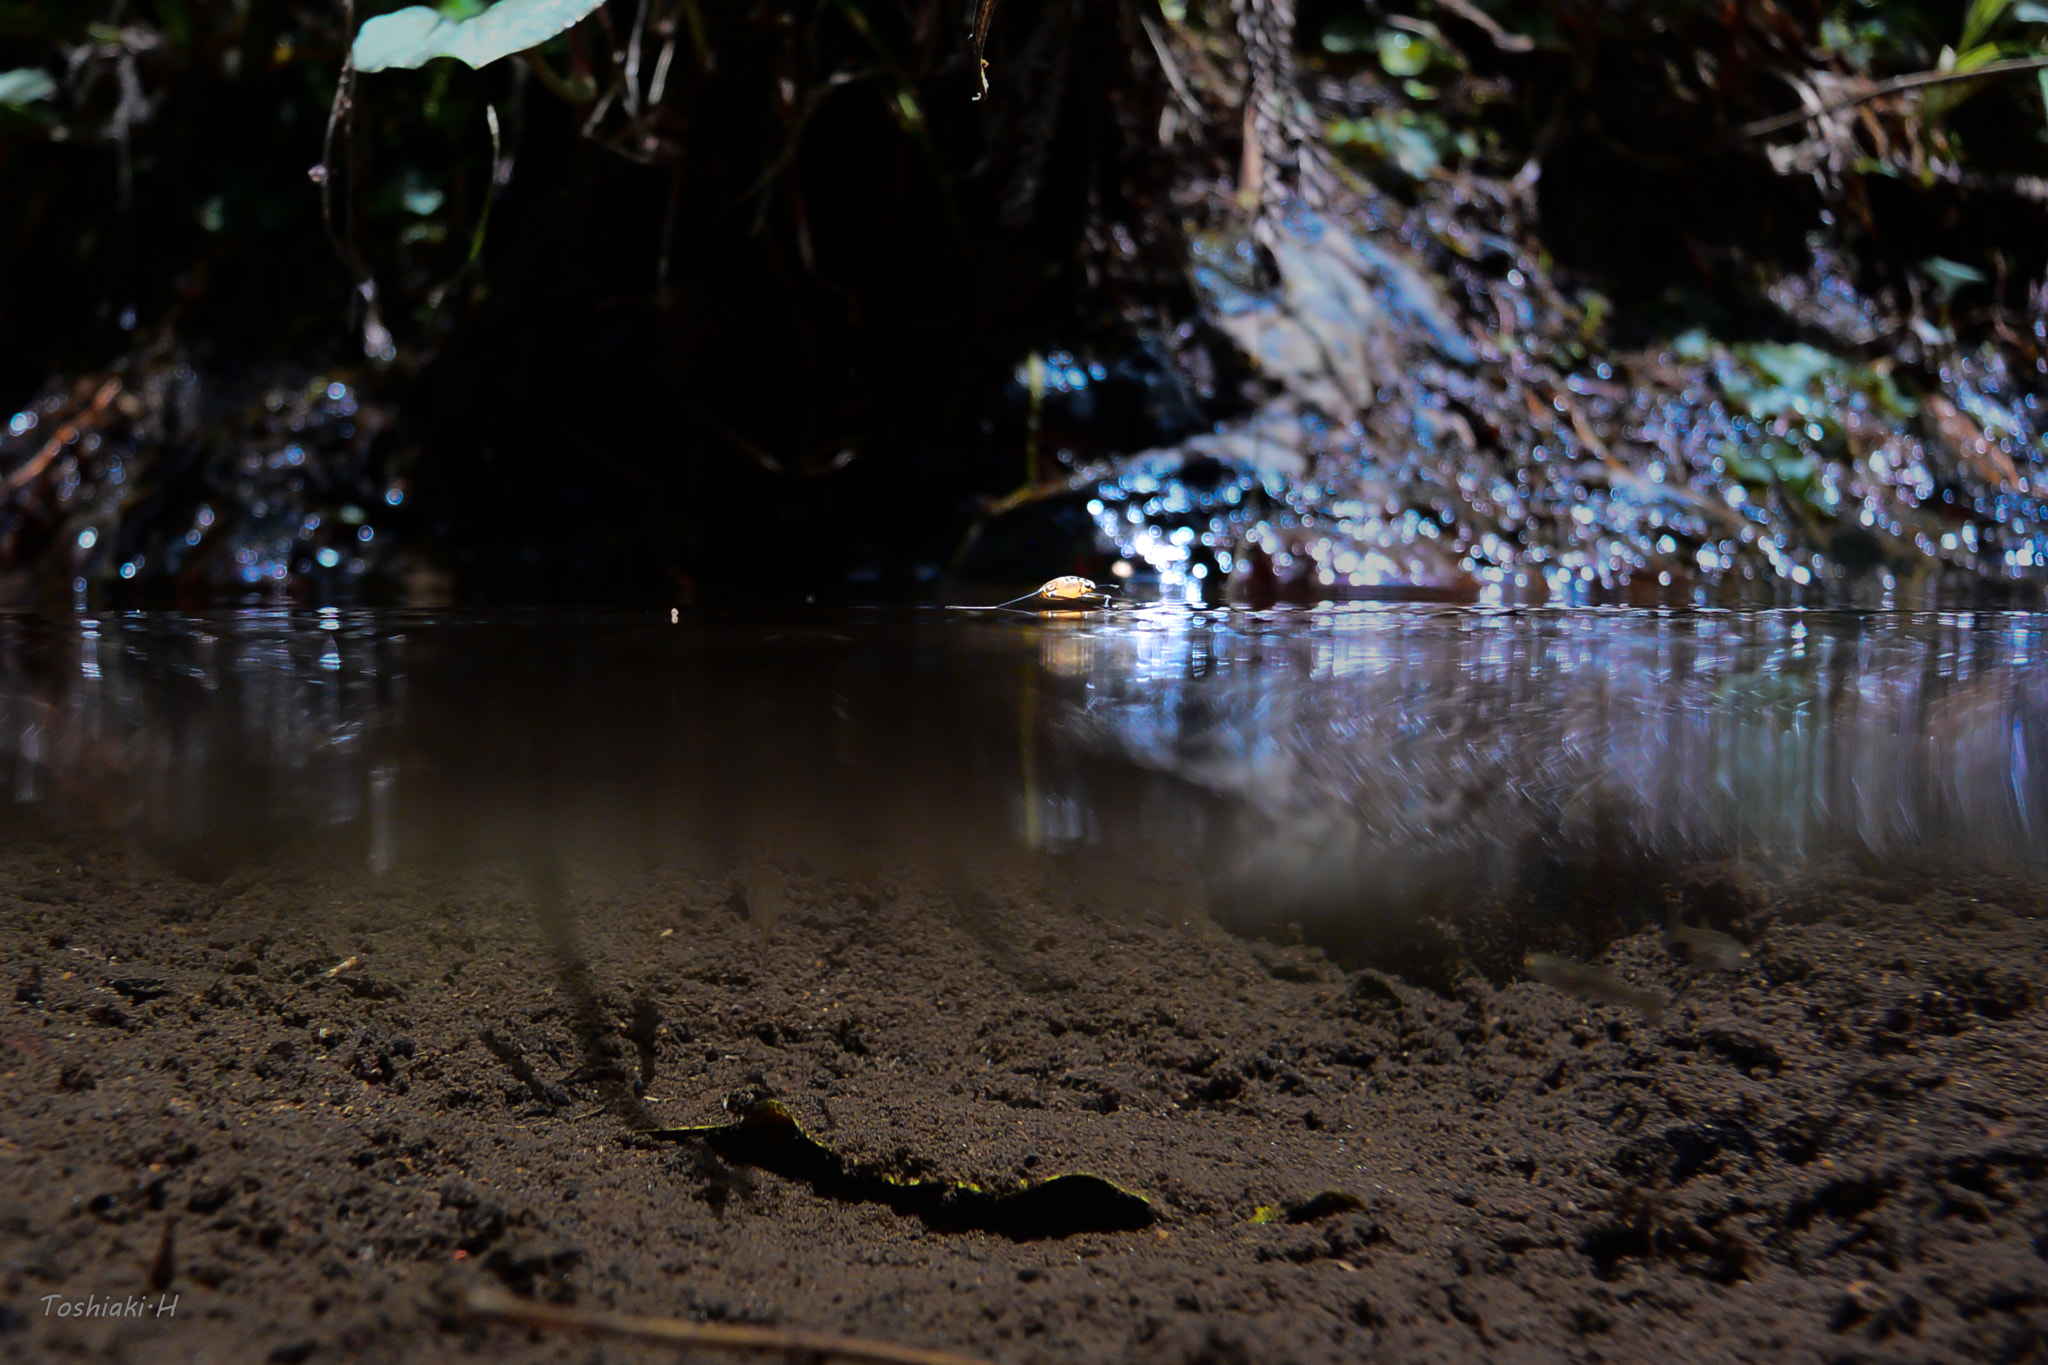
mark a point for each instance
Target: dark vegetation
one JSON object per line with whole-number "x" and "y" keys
{"x": 762, "y": 288}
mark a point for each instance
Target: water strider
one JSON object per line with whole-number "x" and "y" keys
{"x": 1063, "y": 593}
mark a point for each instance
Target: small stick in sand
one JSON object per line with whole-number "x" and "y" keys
{"x": 502, "y": 1307}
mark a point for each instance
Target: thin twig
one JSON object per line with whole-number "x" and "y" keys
{"x": 1919, "y": 80}
{"x": 377, "y": 342}
{"x": 335, "y": 113}
{"x": 659, "y": 85}
{"x": 500, "y": 175}
{"x": 977, "y": 39}
{"x": 1171, "y": 68}
{"x": 668, "y": 233}
{"x": 601, "y": 108}
{"x": 794, "y": 131}
{"x": 1480, "y": 19}
{"x": 66, "y": 434}
{"x": 632, "y": 71}
{"x": 561, "y": 89}
{"x": 490, "y": 1303}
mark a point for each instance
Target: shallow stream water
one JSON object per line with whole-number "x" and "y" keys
{"x": 1334, "y": 771}
{"x": 761, "y": 970}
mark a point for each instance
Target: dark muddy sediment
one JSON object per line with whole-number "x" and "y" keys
{"x": 1835, "y": 1154}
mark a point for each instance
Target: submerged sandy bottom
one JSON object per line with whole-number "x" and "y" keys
{"x": 1835, "y": 1155}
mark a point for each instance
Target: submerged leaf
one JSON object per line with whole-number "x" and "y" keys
{"x": 767, "y": 1135}
{"x": 413, "y": 37}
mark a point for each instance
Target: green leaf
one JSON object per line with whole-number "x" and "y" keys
{"x": 1404, "y": 54}
{"x": 413, "y": 37}
{"x": 1981, "y": 18}
{"x": 1794, "y": 365}
{"x": 1981, "y": 55}
{"x": 1348, "y": 34}
{"x": 26, "y": 85}
{"x": 1414, "y": 142}
{"x": 1770, "y": 461}
{"x": 1743, "y": 468}
{"x": 1692, "y": 344}
{"x": 423, "y": 201}
{"x": 176, "y": 20}
{"x": 1890, "y": 399}
{"x": 1936, "y": 104}
{"x": 1954, "y": 274}
{"x": 1950, "y": 276}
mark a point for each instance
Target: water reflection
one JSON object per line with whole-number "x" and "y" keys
{"x": 1317, "y": 763}
{"x": 1360, "y": 756}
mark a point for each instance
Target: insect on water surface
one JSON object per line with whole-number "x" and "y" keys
{"x": 1070, "y": 590}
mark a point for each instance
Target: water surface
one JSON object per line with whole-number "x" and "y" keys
{"x": 1337, "y": 767}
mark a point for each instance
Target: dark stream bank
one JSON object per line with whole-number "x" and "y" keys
{"x": 1560, "y": 299}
